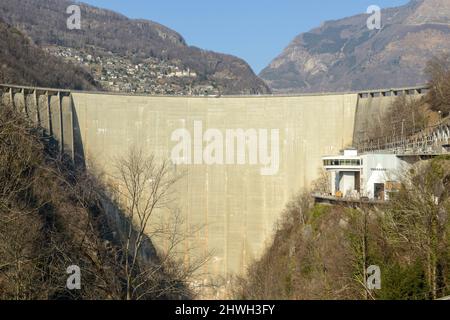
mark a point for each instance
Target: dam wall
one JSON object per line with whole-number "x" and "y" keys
{"x": 236, "y": 204}
{"x": 373, "y": 105}
{"x": 236, "y": 200}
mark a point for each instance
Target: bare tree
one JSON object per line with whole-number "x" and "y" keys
{"x": 53, "y": 216}
{"x": 146, "y": 189}
{"x": 50, "y": 219}
{"x": 322, "y": 184}
{"x": 19, "y": 226}
{"x": 406, "y": 116}
{"x": 418, "y": 219}
{"x": 438, "y": 70}
{"x": 359, "y": 235}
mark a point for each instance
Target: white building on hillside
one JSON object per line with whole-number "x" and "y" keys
{"x": 372, "y": 176}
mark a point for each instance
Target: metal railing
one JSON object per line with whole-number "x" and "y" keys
{"x": 433, "y": 140}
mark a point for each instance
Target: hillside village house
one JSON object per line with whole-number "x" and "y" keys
{"x": 369, "y": 176}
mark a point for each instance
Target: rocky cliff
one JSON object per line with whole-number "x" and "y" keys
{"x": 345, "y": 55}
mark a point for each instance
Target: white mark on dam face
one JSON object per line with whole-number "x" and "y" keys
{"x": 227, "y": 147}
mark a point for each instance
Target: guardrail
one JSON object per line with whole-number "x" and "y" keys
{"x": 434, "y": 140}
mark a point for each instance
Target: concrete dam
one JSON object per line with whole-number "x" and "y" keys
{"x": 242, "y": 157}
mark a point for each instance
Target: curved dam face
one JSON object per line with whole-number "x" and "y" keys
{"x": 241, "y": 159}
{"x": 238, "y": 202}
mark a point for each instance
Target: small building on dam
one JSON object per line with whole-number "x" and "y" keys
{"x": 376, "y": 173}
{"x": 370, "y": 176}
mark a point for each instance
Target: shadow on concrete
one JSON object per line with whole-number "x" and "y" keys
{"x": 79, "y": 157}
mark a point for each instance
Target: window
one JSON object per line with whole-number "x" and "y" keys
{"x": 342, "y": 162}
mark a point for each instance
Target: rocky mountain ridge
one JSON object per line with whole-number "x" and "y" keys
{"x": 345, "y": 55}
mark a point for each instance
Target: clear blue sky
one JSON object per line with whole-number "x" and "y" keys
{"x": 255, "y": 30}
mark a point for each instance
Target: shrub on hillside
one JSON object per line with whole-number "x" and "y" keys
{"x": 323, "y": 252}
{"x": 53, "y": 217}
{"x": 438, "y": 70}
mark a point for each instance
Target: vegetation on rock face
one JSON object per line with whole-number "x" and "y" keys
{"x": 53, "y": 216}
{"x": 23, "y": 63}
{"x": 417, "y": 222}
{"x": 344, "y": 55}
{"x": 438, "y": 70}
{"x": 408, "y": 115}
{"x": 405, "y": 116}
{"x": 323, "y": 252}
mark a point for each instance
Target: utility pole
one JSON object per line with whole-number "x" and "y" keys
{"x": 403, "y": 129}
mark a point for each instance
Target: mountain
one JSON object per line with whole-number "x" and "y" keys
{"x": 23, "y": 63}
{"x": 345, "y": 55}
{"x": 132, "y": 55}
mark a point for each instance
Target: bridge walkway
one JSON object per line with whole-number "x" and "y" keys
{"x": 432, "y": 141}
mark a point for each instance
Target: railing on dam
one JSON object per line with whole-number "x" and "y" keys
{"x": 393, "y": 92}
{"x": 52, "y": 109}
{"x": 434, "y": 140}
